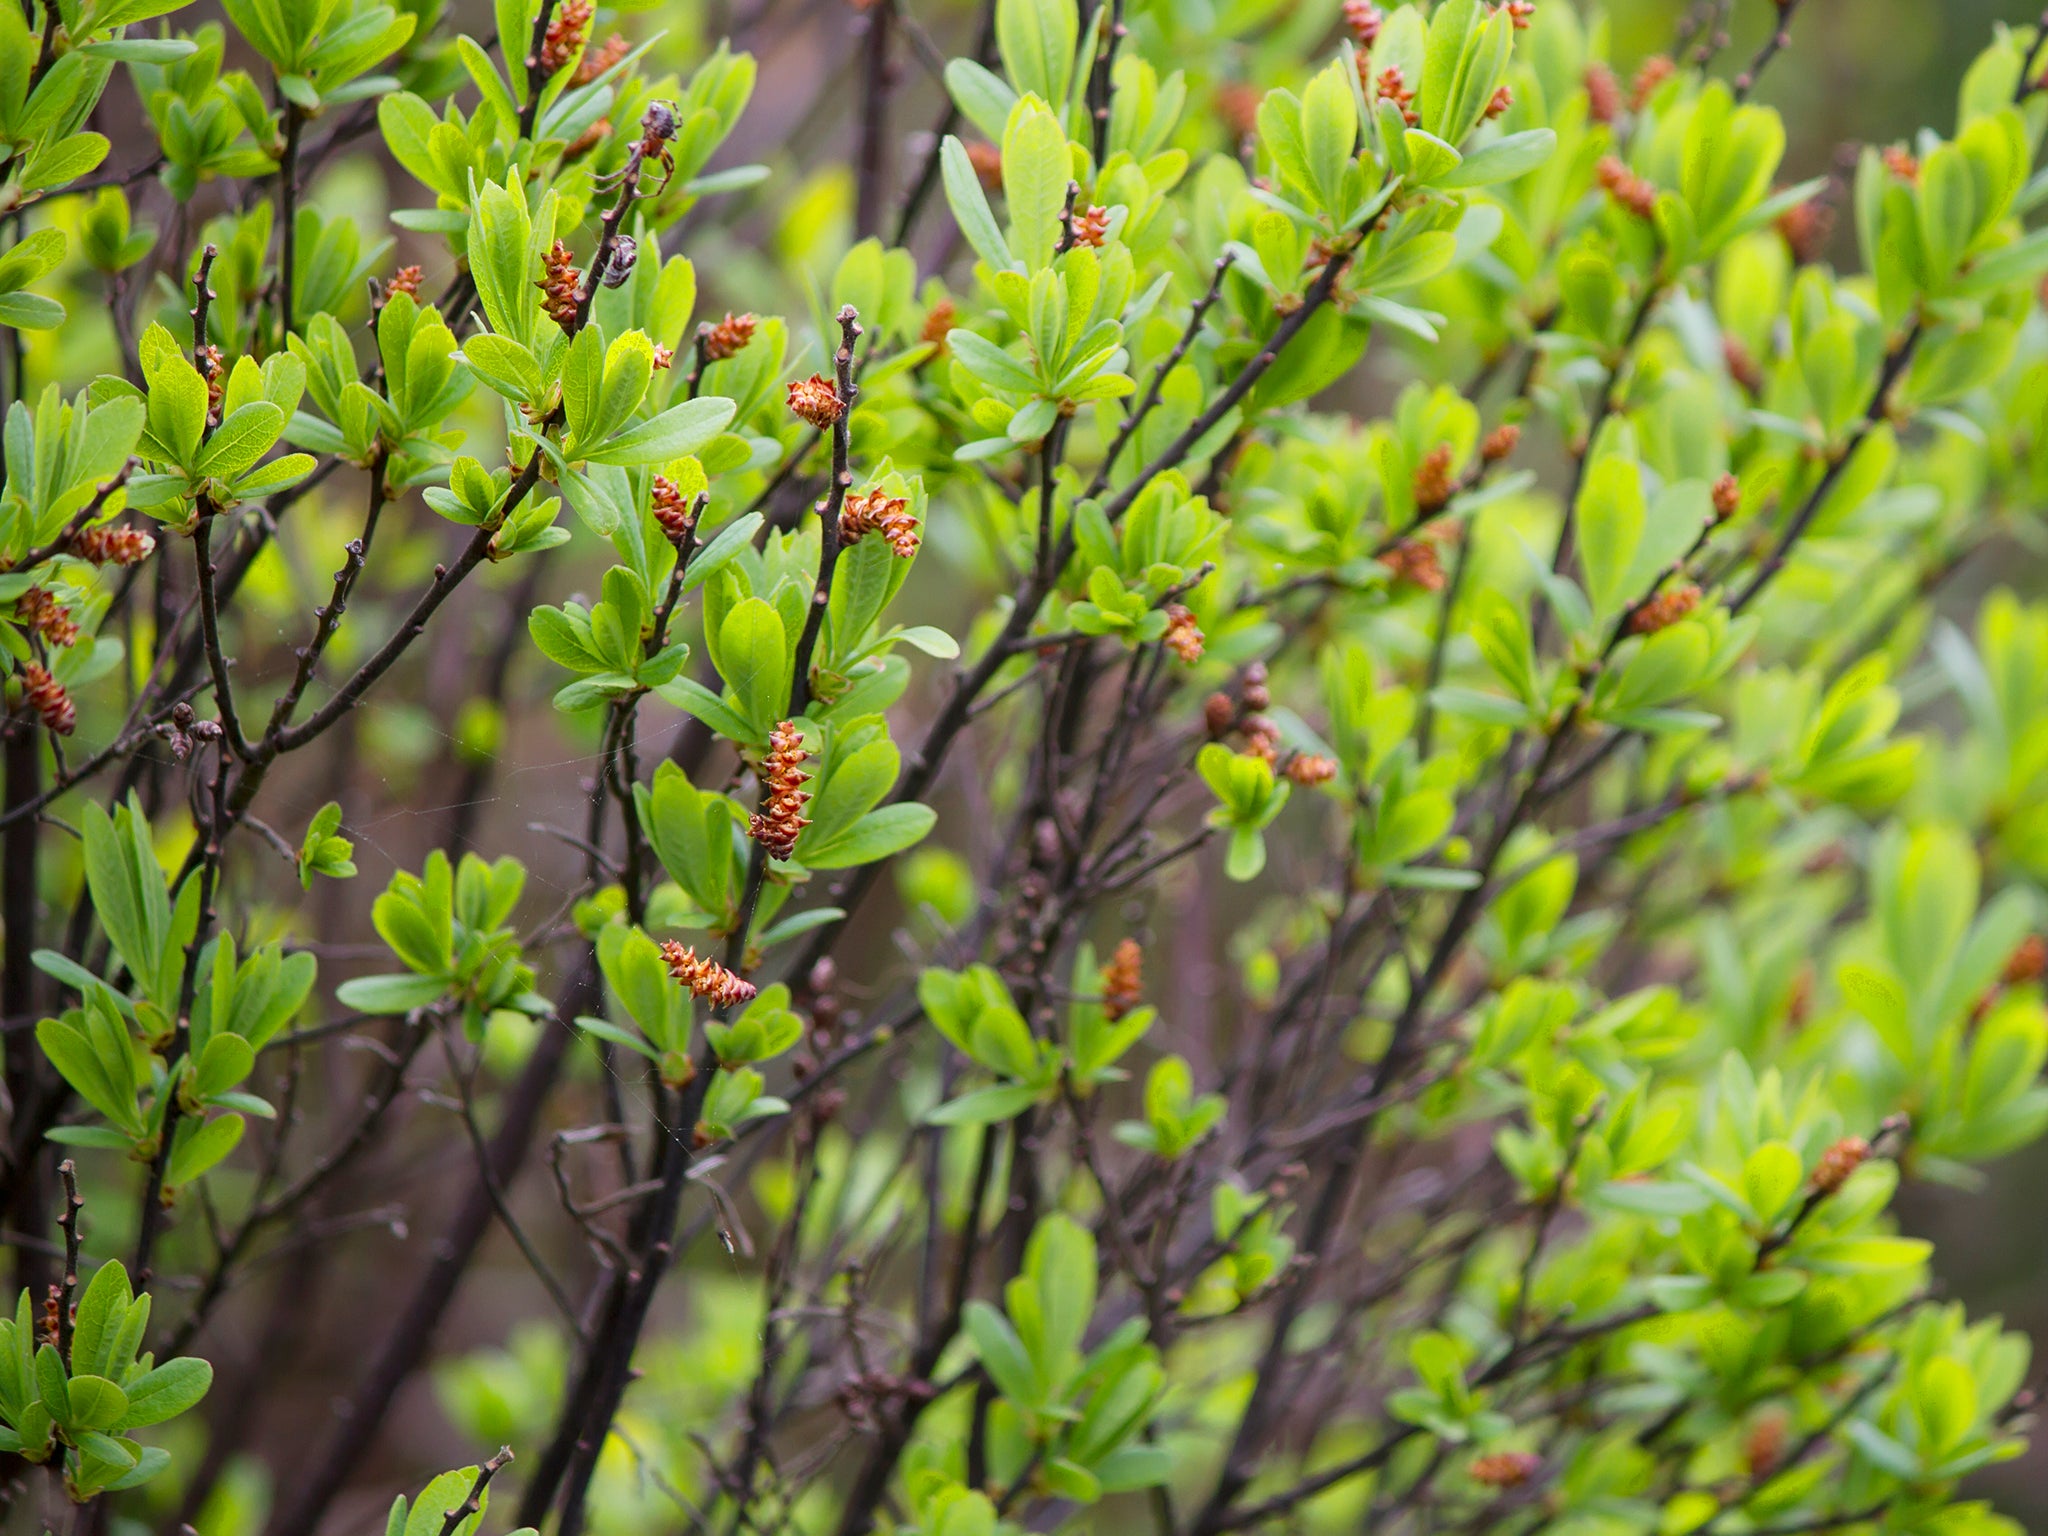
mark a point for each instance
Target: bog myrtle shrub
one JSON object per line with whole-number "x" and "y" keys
{"x": 1286, "y": 822}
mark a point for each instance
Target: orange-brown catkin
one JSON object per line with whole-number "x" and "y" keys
{"x": 672, "y": 510}
{"x": 1434, "y": 483}
{"x": 37, "y": 610}
{"x": 1504, "y": 1469}
{"x": 558, "y": 283}
{"x": 705, "y": 976}
{"x": 1123, "y": 979}
{"x": 1665, "y": 609}
{"x": 111, "y": 545}
{"x": 816, "y": 401}
{"x": 46, "y": 696}
{"x": 1838, "y": 1162}
{"x": 565, "y": 34}
{"x": 780, "y": 821}
{"x": 876, "y": 511}
{"x": 1183, "y": 634}
{"x": 729, "y": 337}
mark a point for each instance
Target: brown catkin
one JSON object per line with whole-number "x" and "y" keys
{"x": 601, "y": 58}
{"x": 1308, "y": 770}
{"x": 558, "y": 286}
{"x": 1091, "y": 228}
{"x": 38, "y": 610}
{"x": 1123, "y": 979}
{"x": 1603, "y": 93}
{"x": 2028, "y": 962}
{"x": 1415, "y": 562}
{"x": 1434, "y": 482}
{"x": 705, "y": 976}
{"x": 1665, "y": 609}
{"x": 876, "y": 511}
{"x": 1501, "y": 443}
{"x": 816, "y": 401}
{"x": 1727, "y": 494}
{"x": 673, "y": 511}
{"x": 1364, "y": 20}
{"x": 780, "y": 821}
{"x": 1504, "y": 1469}
{"x": 565, "y": 34}
{"x": 729, "y": 337}
{"x": 111, "y": 545}
{"x": 1838, "y": 1162}
{"x": 1183, "y": 635}
{"x": 46, "y": 696}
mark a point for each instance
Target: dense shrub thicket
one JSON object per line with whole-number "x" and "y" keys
{"x": 1257, "y": 848}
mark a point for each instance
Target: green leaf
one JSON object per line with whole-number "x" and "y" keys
{"x": 1036, "y": 41}
{"x": 1036, "y": 170}
{"x": 390, "y": 994}
{"x": 970, "y": 207}
{"x": 199, "y": 1146}
{"x": 754, "y": 654}
{"x": 679, "y": 430}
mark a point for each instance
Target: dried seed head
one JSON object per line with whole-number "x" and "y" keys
{"x": 1365, "y": 20}
{"x": 108, "y": 544}
{"x": 780, "y": 821}
{"x": 1183, "y": 635}
{"x": 565, "y": 35}
{"x": 987, "y": 161}
{"x": 405, "y": 280}
{"x": 1665, "y": 609}
{"x": 1838, "y": 1162}
{"x": 673, "y": 511}
{"x": 1603, "y": 93}
{"x": 1434, "y": 482}
{"x": 1655, "y": 71}
{"x": 816, "y": 401}
{"x": 558, "y": 286}
{"x": 37, "y": 610}
{"x": 1091, "y": 228}
{"x": 601, "y": 58}
{"x": 1627, "y": 188}
{"x": 1504, "y": 1469}
{"x": 1503, "y": 98}
{"x": 705, "y": 976}
{"x": 1123, "y": 979}
{"x": 1415, "y": 561}
{"x": 46, "y": 696}
{"x": 1727, "y": 495}
{"x": 876, "y": 511}
{"x": 1392, "y": 85}
{"x": 1501, "y": 443}
{"x": 625, "y": 253}
{"x": 2029, "y": 962}
{"x": 1308, "y": 770}
{"x": 729, "y": 337}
